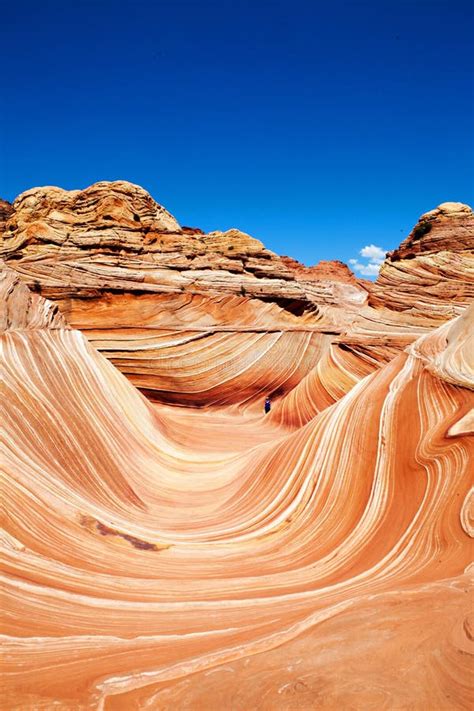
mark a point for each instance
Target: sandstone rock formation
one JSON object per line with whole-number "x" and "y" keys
{"x": 115, "y": 236}
{"x": 5, "y": 211}
{"x": 122, "y": 270}
{"x": 159, "y": 555}
{"x": 433, "y": 269}
{"x": 115, "y": 597}
{"x": 331, "y": 271}
{"x": 21, "y": 308}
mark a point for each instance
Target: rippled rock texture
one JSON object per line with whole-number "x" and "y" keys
{"x": 183, "y": 550}
{"x": 146, "y": 291}
{"x": 115, "y": 236}
{"x": 433, "y": 269}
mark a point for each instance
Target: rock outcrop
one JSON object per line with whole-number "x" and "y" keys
{"x": 21, "y": 308}
{"x": 6, "y": 210}
{"x": 159, "y": 557}
{"x": 432, "y": 272}
{"x": 147, "y": 291}
{"x": 325, "y": 270}
{"x": 121, "y": 269}
{"x": 166, "y": 544}
{"x": 114, "y": 236}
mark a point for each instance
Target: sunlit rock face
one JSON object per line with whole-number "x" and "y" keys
{"x": 115, "y": 236}
{"x": 166, "y": 545}
{"x": 432, "y": 272}
{"x": 5, "y": 212}
{"x": 146, "y": 291}
{"x": 160, "y": 558}
{"x": 243, "y": 322}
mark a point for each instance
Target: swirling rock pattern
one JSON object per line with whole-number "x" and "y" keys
{"x": 123, "y": 271}
{"x": 6, "y": 210}
{"x": 21, "y": 308}
{"x": 115, "y": 236}
{"x": 163, "y": 557}
{"x": 433, "y": 269}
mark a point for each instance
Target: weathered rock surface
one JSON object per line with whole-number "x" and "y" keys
{"x": 5, "y": 211}
{"x": 175, "y": 557}
{"x": 121, "y": 269}
{"x": 21, "y": 308}
{"x": 115, "y": 236}
{"x": 161, "y": 557}
{"x": 432, "y": 272}
{"x": 146, "y": 292}
{"x": 331, "y": 271}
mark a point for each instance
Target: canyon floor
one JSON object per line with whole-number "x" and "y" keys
{"x": 166, "y": 544}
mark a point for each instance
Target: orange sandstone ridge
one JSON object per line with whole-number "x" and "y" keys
{"x": 433, "y": 269}
{"x": 183, "y": 550}
{"x": 121, "y": 269}
{"x": 115, "y": 236}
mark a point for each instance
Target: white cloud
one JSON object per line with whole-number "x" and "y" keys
{"x": 375, "y": 257}
{"x": 370, "y": 269}
{"x": 374, "y": 254}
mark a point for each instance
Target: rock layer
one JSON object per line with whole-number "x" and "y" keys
{"x": 115, "y": 236}
{"x": 164, "y": 557}
{"x": 123, "y": 270}
{"x": 433, "y": 269}
{"x": 155, "y": 573}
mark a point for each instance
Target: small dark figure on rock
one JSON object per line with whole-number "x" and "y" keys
{"x": 268, "y": 405}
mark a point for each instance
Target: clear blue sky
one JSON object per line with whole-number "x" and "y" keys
{"x": 318, "y": 127}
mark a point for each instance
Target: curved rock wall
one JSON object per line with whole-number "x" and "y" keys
{"x": 154, "y": 572}
{"x": 432, "y": 272}
{"x": 185, "y": 551}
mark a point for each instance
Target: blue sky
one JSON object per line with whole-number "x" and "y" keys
{"x": 318, "y": 127}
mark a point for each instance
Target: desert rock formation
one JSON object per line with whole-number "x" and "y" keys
{"x": 122, "y": 270}
{"x": 115, "y": 236}
{"x": 433, "y": 269}
{"x": 165, "y": 544}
